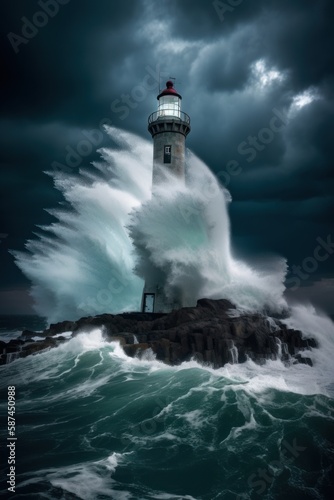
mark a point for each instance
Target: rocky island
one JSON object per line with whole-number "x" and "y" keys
{"x": 214, "y": 332}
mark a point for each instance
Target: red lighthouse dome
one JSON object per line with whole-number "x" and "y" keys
{"x": 169, "y": 90}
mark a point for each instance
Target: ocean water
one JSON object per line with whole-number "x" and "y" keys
{"x": 92, "y": 423}
{"x": 11, "y": 325}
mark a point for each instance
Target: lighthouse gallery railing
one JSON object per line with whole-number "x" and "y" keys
{"x": 170, "y": 114}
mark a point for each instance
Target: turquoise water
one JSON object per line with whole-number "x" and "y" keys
{"x": 95, "y": 424}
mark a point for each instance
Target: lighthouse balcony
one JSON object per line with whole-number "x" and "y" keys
{"x": 169, "y": 121}
{"x": 169, "y": 114}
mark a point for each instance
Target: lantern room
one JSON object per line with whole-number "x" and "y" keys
{"x": 169, "y": 101}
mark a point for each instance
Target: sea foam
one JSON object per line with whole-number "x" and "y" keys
{"x": 114, "y": 231}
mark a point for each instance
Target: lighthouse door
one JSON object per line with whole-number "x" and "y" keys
{"x": 148, "y": 306}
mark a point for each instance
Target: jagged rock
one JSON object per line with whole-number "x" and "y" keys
{"x": 39, "y": 346}
{"x": 27, "y": 334}
{"x": 238, "y": 328}
{"x": 217, "y": 306}
{"x": 54, "y": 329}
{"x": 209, "y": 332}
{"x": 304, "y": 360}
{"x": 121, "y": 340}
{"x": 135, "y": 349}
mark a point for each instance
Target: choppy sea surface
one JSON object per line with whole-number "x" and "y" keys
{"x": 92, "y": 423}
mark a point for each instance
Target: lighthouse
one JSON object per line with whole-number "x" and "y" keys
{"x": 169, "y": 127}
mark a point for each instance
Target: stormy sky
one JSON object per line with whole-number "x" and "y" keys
{"x": 256, "y": 78}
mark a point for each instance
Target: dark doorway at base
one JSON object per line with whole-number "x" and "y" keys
{"x": 148, "y": 302}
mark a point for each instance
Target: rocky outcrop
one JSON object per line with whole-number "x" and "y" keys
{"x": 213, "y": 332}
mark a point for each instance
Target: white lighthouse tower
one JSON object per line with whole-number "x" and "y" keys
{"x": 169, "y": 127}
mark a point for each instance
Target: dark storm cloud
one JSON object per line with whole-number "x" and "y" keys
{"x": 239, "y": 66}
{"x": 206, "y": 20}
{"x": 61, "y": 66}
{"x": 295, "y": 35}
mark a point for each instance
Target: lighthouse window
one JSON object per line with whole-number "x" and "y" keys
{"x": 168, "y": 154}
{"x": 169, "y": 106}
